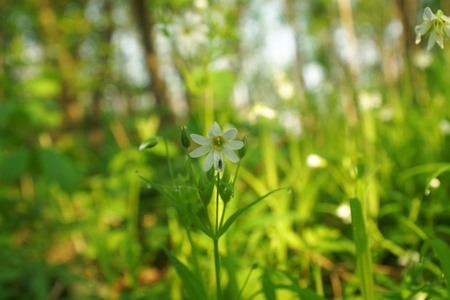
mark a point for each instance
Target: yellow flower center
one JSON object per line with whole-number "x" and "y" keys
{"x": 217, "y": 143}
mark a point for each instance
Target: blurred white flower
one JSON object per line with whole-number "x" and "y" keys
{"x": 422, "y": 59}
{"x": 435, "y": 183}
{"x": 437, "y": 25}
{"x": 387, "y": 114}
{"x": 260, "y": 110}
{"x": 316, "y": 161}
{"x": 444, "y": 125}
{"x": 344, "y": 212}
{"x": 285, "y": 90}
{"x": 408, "y": 257}
{"x": 216, "y": 145}
{"x": 201, "y": 4}
{"x": 369, "y": 101}
{"x": 291, "y": 122}
{"x": 190, "y": 33}
{"x": 420, "y": 296}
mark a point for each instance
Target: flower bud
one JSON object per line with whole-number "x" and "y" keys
{"x": 148, "y": 143}
{"x": 185, "y": 140}
{"x": 243, "y": 150}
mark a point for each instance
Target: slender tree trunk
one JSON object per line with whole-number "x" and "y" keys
{"x": 95, "y": 130}
{"x": 291, "y": 17}
{"x": 69, "y": 106}
{"x": 145, "y": 24}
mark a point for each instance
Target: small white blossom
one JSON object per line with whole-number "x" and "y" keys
{"x": 444, "y": 125}
{"x": 369, "y": 101}
{"x": 437, "y": 25}
{"x": 316, "y": 161}
{"x": 435, "y": 183}
{"x": 344, "y": 212}
{"x": 422, "y": 59}
{"x": 216, "y": 145}
{"x": 189, "y": 32}
{"x": 387, "y": 114}
{"x": 408, "y": 257}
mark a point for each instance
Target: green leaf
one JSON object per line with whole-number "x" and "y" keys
{"x": 57, "y": 167}
{"x": 193, "y": 285}
{"x": 363, "y": 254}
{"x": 306, "y": 294}
{"x": 441, "y": 170}
{"x": 268, "y": 287}
{"x": 442, "y": 250}
{"x": 233, "y": 217}
{"x": 148, "y": 143}
{"x": 12, "y": 165}
{"x": 194, "y": 218}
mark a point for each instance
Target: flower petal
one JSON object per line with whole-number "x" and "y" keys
{"x": 447, "y": 30}
{"x": 201, "y": 140}
{"x": 234, "y": 145}
{"x": 230, "y": 134}
{"x": 428, "y": 14}
{"x": 230, "y": 154}
{"x": 218, "y": 161}
{"x": 431, "y": 40}
{"x": 440, "y": 40}
{"x": 418, "y": 38}
{"x": 208, "y": 161}
{"x": 214, "y": 130}
{"x": 422, "y": 28}
{"x": 200, "y": 151}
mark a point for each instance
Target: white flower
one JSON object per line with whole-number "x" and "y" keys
{"x": 190, "y": 33}
{"x": 316, "y": 161}
{"x": 437, "y": 25}
{"x": 435, "y": 183}
{"x": 444, "y": 125}
{"x": 344, "y": 212}
{"x": 216, "y": 146}
{"x": 369, "y": 101}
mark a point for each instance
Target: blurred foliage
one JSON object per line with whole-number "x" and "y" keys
{"x": 84, "y": 83}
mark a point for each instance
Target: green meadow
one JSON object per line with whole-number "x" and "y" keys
{"x": 224, "y": 149}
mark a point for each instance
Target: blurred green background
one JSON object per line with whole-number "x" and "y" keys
{"x": 321, "y": 88}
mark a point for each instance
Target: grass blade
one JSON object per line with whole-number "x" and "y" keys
{"x": 233, "y": 217}
{"x": 194, "y": 218}
{"x": 193, "y": 285}
{"x": 442, "y": 250}
{"x": 363, "y": 255}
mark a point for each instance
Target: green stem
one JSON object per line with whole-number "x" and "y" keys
{"x": 318, "y": 277}
{"x": 217, "y": 203}
{"x": 245, "y": 282}
{"x": 194, "y": 252}
{"x": 168, "y": 162}
{"x": 216, "y": 243}
{"x": 196, "y": 184}
{"x": 235, "y": 174}
{"x": 217, "y": 267}
{"x": 191, "y": 172}
{"x": 223, "y": 215}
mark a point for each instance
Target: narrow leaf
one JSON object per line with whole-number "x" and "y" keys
{"x": 363, "y": 254}
{"x": 442, "y": 250}
{"x": 148, "y": 143}
{"x": 436, "y": 174}
{"x": 233, "y": 217}
{"x": 194, "y": 218}
{"x": 193, "y": 285}
{"x": 268, "y": 287}
{"x": 306, "y": 294}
